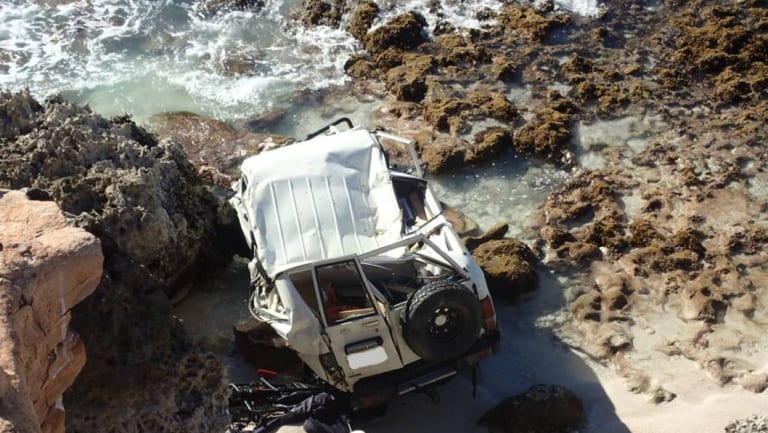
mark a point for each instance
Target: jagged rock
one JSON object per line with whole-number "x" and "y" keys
{"x": 404, "y": 32}
{"x": 264, "y": 121}
{"x": 490, "y": 143}
{"x": 160, "y": 229}
{"x": 528, "y": 23}
{"x": 548, "y": 135}
{"x": 47, "y": 268}
{"x": 451, "y": 113}
{"x": 442, "y": 158}
{"x": 320, "y": 12}
{"x": 407, "y": 82}
{"x": 213, "y": 143}
{"x": 504, "y": 68}
{"x": 498, "y": 231}
{"x": 358, "y": 66}
{"x": 464, "y": 225}
{"x": 540, "y": 409}
{"x": 362, "y": 19}
{"x": 509, "y": 267}
{"x": 456, "y": 49}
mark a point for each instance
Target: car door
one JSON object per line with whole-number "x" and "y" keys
{"x": 360, "y": 336}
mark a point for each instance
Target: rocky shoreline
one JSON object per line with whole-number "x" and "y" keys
{"x": 666, "y": 231}
{"x": 675, "y": 227}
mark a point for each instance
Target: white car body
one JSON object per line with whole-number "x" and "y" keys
{"x": 328, "y": 215}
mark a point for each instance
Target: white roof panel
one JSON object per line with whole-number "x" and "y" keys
{"x": 324, "y": 198}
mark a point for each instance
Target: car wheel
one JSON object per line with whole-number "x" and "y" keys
{"x": 442, "y": 320}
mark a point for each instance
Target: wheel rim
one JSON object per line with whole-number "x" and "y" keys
{"x": 445, "y": 323}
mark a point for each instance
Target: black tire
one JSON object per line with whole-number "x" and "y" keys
{"x": 442, "y": 320}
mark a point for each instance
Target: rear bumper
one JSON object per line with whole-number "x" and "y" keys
{"x": 377, "y": 390}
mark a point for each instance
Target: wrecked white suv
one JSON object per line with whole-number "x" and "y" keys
{"x": 356, "y": 267}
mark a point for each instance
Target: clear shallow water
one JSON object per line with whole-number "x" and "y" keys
{"x": 509, "y": 189}
{"x": 144, "y": 57}
{"x": 147, "y": 56}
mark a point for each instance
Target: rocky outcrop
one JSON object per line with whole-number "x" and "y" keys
{"x": 46, "y": 268}
{"x": 214, "y": 144}
{"x": 160, "y": 229}
{"x": 509, "y": 268}
{"x": 404, "y": 32}
{"x": 320, "y": 12}
{"x": 362, "y": 19}
{"x": 540, "y": 409}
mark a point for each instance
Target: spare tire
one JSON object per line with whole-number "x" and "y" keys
{"x": 442, "y": 320}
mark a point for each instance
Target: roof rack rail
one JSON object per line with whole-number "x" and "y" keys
{"x": 328, "y": 127}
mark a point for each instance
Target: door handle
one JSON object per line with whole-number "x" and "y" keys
{"x": 371, "y": 323}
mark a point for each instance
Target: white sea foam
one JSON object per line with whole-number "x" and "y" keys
{"x": 139, "y": 56}
{"x": 587, "y": 8}
{"x": 458, "y": 13}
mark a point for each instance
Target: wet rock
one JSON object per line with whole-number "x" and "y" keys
{"x": 533, "y": 411}
{"x": 578, "y": 252}
{"x": 464, "y": 225}
{"x": 504, "y": 68}
{"x": 264, "y": 121}
{"x": 457, "y": 49}
{"x": 497, "y": 232}
{"x": 211, "y": 142}
{"x": 548, "y": 135}
{"x": 452, "y": 113}
{"x": 358, "y": 66}
{"x": 320, "y": 12}
{"x": 509, "y": 268}
{"x": 408, "y": 82}
{"x": 643, "y": 233}
{"x": 528, "y": 23}
{"x": 19, "y": 114}
{"x": 605, "y": 232}
{"x": 442, "y": 158}
{"x": 489, "y": 144}
{"x": 46, "y": 270}
{"x": 159, "y": 230}
{"x": 404, "y": 32}
{"x": 362, "y": 20}
{"x": 448, "y": 115}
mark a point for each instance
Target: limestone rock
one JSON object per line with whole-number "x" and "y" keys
{"x": 320, "y": 12}
{"x": 211, "y": 142}
{"x": 494, "y": 233}
{"x": 540, "y": 409}
{"x": 404, "y": 32}
{"x": 362, "y": 19}
{"x": 509, "y": 267}
{"x": 408, "y": 82}
{"x": 464, "y": 225}
{"x": 47, "y": 268}
{"x": 264, "y": 121}
{"x": 160, "y": 229}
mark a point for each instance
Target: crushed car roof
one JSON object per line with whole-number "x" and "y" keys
{"x": 320, "y": 199}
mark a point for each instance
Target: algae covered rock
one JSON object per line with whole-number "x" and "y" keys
{"x": 160, "y": 229}
{"x": 509, "y": 267}
{"x": 404, "y": 32}
{"x": 540, "y": 409}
